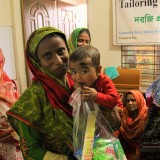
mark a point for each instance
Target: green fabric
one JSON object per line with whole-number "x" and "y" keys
{"x": 37, "y": 36}
{"x": 30, "y": 139}
{"x": 53, "y": 125}
{"x": 72, "y": 41}
{"x": 44, "y": 127}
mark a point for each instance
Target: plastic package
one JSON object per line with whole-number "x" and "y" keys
{"x": 93, "y": 138}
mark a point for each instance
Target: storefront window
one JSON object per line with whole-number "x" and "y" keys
{"x": 146, "y": 58}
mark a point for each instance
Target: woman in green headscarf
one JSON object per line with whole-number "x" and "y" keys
{"x": 42, "y": 116}
{"x": 79, "y": 37}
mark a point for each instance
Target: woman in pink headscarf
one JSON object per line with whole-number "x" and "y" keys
{"x": 8, "y": 95}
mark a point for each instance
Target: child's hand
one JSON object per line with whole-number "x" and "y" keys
{"x": 88, "y": 94}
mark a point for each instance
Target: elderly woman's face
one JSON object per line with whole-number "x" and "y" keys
{"x": 53, "y": 56}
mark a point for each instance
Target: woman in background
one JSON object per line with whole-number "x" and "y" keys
{"x": 150, "y": 149}
{"x": 79, "y": 37}
{"x": 9, "y": 144}
{"x": 133, "y": 120}
{"x": 42, "y": 116}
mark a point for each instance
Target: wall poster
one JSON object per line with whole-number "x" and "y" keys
{"x": 136, "y": 22}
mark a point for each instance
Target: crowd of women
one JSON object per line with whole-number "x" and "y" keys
{"x": 42, "y": 117}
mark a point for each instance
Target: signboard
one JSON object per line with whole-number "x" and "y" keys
{"x": 136, "y": 22}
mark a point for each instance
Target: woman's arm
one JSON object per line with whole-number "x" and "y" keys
{"x": 52, "y": 156}
{"x": 31, "y": 141}
{"x": 31, "y": 144}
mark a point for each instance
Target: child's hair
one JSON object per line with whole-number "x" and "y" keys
{"x": 85, "y": 52}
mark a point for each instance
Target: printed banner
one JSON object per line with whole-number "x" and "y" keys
{"x": 136, "y": 22}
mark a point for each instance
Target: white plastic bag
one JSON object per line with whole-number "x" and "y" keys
{"x": 93, "y": 138}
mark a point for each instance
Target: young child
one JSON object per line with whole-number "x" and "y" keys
{"x": 85, "y": 70}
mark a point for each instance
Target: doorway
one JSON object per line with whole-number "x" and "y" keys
{"x": 61, "y": 14}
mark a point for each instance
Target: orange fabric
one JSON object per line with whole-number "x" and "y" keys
{"x": 8, "y": 96}
{"x": 131, "y": 130}
{"x": 8, "y": 92}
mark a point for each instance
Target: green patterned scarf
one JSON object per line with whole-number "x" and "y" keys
{"x": 44, "y": 105}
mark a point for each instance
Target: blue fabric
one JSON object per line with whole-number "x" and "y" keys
{"x": 111, "y": 72}
{"x": 154, "y": 92}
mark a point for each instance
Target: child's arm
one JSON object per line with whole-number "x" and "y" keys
{"x": 107, "y": 99}
{"x": 107, "y": 94}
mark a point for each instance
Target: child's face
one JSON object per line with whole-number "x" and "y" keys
{"x": 83, "y": 72}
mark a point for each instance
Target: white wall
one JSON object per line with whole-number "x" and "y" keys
{"x": 100, "y": 26}
{"x": 6, "y": 44}
{"x": 11, "y": 17}
{"x": 74, "y": 2}
{"x": 5, "y": 16}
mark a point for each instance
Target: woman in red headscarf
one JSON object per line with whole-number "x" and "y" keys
{"x": 8, "y": 96}
{"x": 133, "y": 121}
